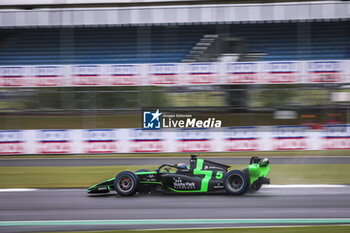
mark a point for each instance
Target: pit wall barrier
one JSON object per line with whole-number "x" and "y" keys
{"x": 260, "y": 138}
{"x": 168, "y": 74}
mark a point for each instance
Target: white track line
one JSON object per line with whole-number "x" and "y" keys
{"x": 18, "y": 190}
{"x": 286, "y": 186}
{"x": 243, "y": 227}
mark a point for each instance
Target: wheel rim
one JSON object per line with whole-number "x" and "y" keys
{"x": 235, "y": 183}
{"x": 125, "y": 183}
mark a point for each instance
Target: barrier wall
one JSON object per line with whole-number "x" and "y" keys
{"x": 167, "y": 74}
{"x": 264, "y": 138}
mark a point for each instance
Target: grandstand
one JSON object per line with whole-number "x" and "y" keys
{"x": 297, "y": 41}
{"x": 161, "y": 44}
{"x": 34, "y": 39}
{"x": 96, "y": 45}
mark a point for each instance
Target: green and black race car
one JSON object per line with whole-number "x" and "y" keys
{"x": 202, "y": 176}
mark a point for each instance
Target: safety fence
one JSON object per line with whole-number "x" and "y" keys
{"x": 167, "y": 74}
{"x": 261, "y": 138}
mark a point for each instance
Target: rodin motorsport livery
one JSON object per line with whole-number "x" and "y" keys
{"x": 202, "y": 176}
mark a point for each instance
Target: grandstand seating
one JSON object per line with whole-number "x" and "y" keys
{"x": 97, "y": 45}
{"x": 291, "y": 41}
{"x": 279, "y": 41}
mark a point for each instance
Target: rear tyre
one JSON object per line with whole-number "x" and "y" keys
{"x": 246, "y": 173}
{"x": 235, "y": 182}
{"x": 125, "y": 183}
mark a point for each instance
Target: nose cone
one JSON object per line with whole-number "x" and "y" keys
{"x": 102, "y": 187}
{"x": 98, "y": 190}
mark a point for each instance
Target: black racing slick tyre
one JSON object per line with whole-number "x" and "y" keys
{"x": 126, "y": 183}
{"x": 246, "y": 173}
{"x": 235, "y": 182}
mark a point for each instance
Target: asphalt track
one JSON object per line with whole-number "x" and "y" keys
{"x": 72, "y": 162}
{"x": 273, "y": 205}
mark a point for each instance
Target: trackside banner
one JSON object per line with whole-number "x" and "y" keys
{"x": 260, "y": 138}
{"x": 171, "y": 74}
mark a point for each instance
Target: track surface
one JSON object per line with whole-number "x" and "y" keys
{"x": 76, "y": 204}
{"x": 156, "y": 161}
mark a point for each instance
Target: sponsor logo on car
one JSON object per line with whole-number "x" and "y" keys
{"x": 179, "y": 184}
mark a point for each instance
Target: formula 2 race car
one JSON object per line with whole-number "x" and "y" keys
{"x": 202, "y": 176}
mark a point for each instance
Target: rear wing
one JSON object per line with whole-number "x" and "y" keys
{"x": 263, "y": 162}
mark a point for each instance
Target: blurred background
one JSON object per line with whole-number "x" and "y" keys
{"x": 76, "y": 75}
{"x": 38, "y": 38}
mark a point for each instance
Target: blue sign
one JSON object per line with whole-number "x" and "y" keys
{"x": 151, "y": 119}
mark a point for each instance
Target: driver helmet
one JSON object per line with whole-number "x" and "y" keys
{"x": 182, "y": 165}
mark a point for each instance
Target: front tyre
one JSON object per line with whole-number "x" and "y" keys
{"x": 125, "y": 183}
{"x": 235, "y": 182}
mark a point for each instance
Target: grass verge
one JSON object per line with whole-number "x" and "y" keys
{"x": 69, "y": 177}
{"x": 297, "y": 229}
